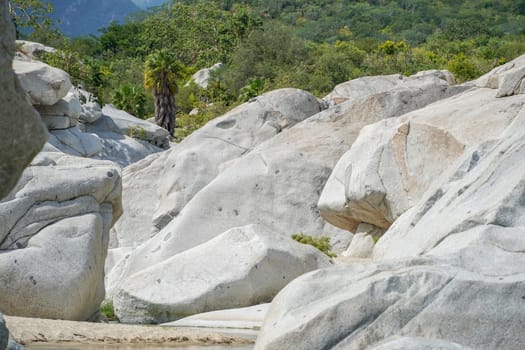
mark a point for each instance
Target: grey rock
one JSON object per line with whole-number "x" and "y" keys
{"x": 493, "y": 79}
{"x": 18, "y": 120}
{"x": 13, "y": 345}
{"x": 244, "y": 266}
{"x": 4, "y": 333}
{"x": 511, "y": 82}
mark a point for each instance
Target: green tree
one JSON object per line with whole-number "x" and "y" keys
{"x": 160, "y": 75}
{"x": 130, "y": 98}
{"x": 31, "y": 19}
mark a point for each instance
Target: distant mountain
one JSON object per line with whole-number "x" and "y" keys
{"x": 144, "y": 4}
{"x": 82, "y": 17}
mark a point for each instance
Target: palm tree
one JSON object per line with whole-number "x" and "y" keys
{"x": 160, "y": 74}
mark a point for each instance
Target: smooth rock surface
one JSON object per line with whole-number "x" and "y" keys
{"x": 511, "y": 82}
{"x": 362, "y": 246}
{"x": 44, "y": 84}
{"x": 158, "y": 187}
{"x": 54, "y": 232}
{"x": 278, "y": 183}
{"x": 18, "y": 120}
{"x": 69, "y": 106}
{"x": 359, "y": 306}
{"x": 492, "y": 79}
{"x": 393, "y": 162}
{"x": 121, "y": 122}
{"x": 483, "y": 188}
{"x": 244, "y": 266}
{"x": 75, "y": 142}
{"x": 407, "y": 343}
{"x": 250, "y": 317}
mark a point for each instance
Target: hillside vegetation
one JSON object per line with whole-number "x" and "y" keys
{"x": 312, "y": 45}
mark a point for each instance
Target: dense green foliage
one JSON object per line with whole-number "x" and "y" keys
{"x": 313, "y": 45}
{"x": 322, "y": 243}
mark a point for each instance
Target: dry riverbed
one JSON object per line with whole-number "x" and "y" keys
{"x": 32, "y": 330}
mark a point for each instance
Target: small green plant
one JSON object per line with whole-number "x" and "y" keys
{"x": 322, "y": 243}
{"x": 138, "y": 132}
{"x": 108, "y": 310}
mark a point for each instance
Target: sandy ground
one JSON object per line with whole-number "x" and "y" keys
{"x": 34, "y": 330}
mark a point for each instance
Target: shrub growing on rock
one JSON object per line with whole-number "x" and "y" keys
{"x": 322, "y": 243}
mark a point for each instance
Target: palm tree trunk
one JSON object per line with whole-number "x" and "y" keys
{"x": 165, "y": 108}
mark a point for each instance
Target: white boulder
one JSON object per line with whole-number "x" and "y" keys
{"x": 361, "y": 306}
{"x": 483, "y": 188}
{"x": 202, "y": 77}
{"x": 393, "y": 162}
{"x": 244, "y": 266}
{"x": 158, "y": 187}
{"x": 44, "y": 84}
{"x": 276, "y": 184}
{"x": 54, "y": 232}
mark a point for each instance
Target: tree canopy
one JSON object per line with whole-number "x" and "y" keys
{"x": 313, "y": 45}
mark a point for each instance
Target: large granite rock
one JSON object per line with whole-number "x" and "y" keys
{"x": 18, "y": 120}
{"x": 54, "y": 239}
{"x": 158, "y": 187}
{"x": 278, "y": 182}
{"x": 44, "y": 84}
{"x": 359, "y": 306}
{"x": 242, "y": 267}
{"x": 449, "y": 270}
{"x": 484, "y": 189}
{"x": 393, "y": 162}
